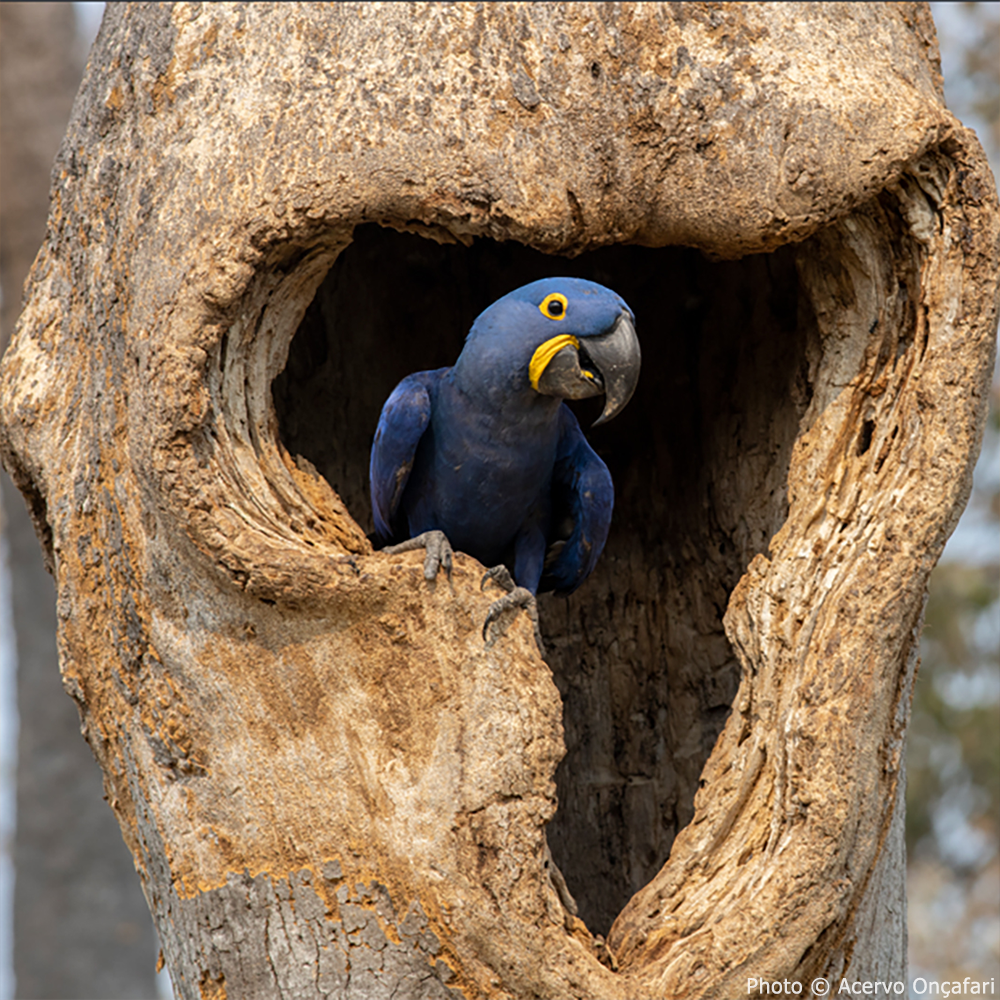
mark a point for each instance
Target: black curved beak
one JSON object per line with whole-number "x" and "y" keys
{"x": 616, "y": 358}
{"x": 565, "y": 377}
{"x": 588, "y": 366}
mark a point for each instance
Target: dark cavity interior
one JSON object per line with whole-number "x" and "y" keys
{"x": 699, "y": 459}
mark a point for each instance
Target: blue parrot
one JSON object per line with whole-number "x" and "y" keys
{"x": 485, "y": 456}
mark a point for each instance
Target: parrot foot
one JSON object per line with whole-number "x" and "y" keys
{"x": 439, "y": 552}
{"x": 516, "y": 597}
{"x": 500, "y": 575}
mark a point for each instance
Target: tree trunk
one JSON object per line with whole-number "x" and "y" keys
{"x": 80, "y": 922}
{"x": 263, "y": 218}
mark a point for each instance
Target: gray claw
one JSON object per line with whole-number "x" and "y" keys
{"x": 519, "y": 597}
{"x": 500, "y": 575}
{"x": 439, "y": 552}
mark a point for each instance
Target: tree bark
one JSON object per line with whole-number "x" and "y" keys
{"x": 80, "y": 922}
{"x": 263, "y": 218}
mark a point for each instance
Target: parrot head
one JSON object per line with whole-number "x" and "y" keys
{"x": 563, "y": 337}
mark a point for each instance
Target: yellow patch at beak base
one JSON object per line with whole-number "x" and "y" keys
{"x": 545, "y": 353}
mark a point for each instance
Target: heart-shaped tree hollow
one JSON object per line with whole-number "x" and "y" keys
{"x": 262, "y": 219}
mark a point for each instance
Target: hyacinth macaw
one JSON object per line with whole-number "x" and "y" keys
{"x": 485, "y": 456}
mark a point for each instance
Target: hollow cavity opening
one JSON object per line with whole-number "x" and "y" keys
{"x": 699, "y": 460}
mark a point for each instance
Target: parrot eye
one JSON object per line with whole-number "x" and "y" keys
{"x": 554, "y": 306}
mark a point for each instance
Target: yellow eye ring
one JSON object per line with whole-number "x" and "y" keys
{"x": 554, "y": 306}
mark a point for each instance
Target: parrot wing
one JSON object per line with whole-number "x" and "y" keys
{"x": 582, "y": 500}
{"x": 404, "y": 419}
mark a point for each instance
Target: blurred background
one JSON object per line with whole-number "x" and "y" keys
{"x": 953, "y": 753}
{"x": 73, "y": 922}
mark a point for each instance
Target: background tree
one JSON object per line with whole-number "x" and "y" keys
{"x": 327, "y": 783}
{"x": 80, "y": 923}
{"x": 953, "y": 757}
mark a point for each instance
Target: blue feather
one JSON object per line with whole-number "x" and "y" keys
{"x": 584, "y": 496}
{"x": 502, "y": 469}
{"x": 404, "y": 419}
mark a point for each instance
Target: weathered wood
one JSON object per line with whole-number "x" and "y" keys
{"x": 330, "y": 786}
